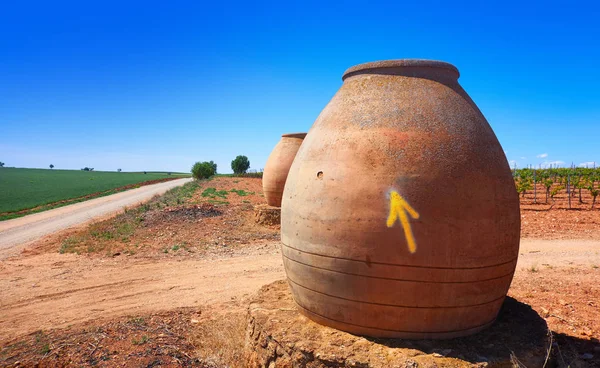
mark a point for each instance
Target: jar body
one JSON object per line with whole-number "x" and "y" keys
{"x": 278, "y": 165}
{"x": 400, "y": 217}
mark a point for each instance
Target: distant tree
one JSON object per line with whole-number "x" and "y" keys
{"x": 86, "y": 169}
{"x": 145, "y": 172}
{"x": 214, "y": 165}
{"x": 1, "y": 164}
{"x": 240, "y": 164}
{"x": 203, "y": 170}
{"x": 51, "y": 166}
{"x": 118, "y": 170}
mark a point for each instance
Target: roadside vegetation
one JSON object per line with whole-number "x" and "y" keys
{"x": 101, "y": 236}
{"x": 170, "y": 224}
{"x": 26, "y": 191}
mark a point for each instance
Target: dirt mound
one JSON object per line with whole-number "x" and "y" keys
{"x": 278, "y": 335}
{"x": 267, "y": 215}
{"x": 182, "y": 213}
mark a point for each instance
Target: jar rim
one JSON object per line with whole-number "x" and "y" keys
{"x": 399, "y": 63}
{"x": 294, "y": 135}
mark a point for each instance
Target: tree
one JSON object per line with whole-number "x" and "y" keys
{"x": 214, "y": 165}
{"x": 51, "y": 166}
{"x": 1, "y": 164}
{"x": 240, "y": 165}
{"x": 579, "y": 184}
{"x": 203, "y": 170}
{"x": 523, "y": 185}
{"x": 118, "y": 170}
{"x": 555, "y": 191}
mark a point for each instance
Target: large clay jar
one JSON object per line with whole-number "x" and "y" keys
{"x": 400, "y": 216}
{"x": 278, "y": 165}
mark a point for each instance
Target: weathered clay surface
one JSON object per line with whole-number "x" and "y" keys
{"x": 400, "y": 216}
{"x": 279, "y": 336}
{"x": 267, "y": 215}
{"x": 278, "y": 165}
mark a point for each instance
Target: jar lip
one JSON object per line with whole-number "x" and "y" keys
{"x": 399, "y": 63}
{"x": 294, "y": 135}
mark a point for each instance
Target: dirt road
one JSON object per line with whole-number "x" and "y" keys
{"x": 53, "y": 290}
{"x": 16, "y": 233}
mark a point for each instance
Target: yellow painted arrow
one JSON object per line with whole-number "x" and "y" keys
{"x": 398, "y": 209}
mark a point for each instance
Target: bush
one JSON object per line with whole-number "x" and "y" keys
{"x": 240, "y": 165}
{"x": 250, "y": 175}
{"x": 203, "y": 170}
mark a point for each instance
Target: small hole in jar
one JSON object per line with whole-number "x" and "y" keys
{"x": 320, "y": 175}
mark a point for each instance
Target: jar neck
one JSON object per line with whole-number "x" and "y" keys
{"x": 415, "y": 68}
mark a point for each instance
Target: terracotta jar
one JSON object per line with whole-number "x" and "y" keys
{"x": 278, "y": 165}
{"x": 400, "y": 217}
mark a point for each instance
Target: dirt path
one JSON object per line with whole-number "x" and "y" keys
{"x": 16, "y": 233}
{"x": 53, "y": 291}
{"x": 558, "y": 253}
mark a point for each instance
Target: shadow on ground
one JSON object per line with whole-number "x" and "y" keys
{"x": 279, "y": 334}
{"x": 519, "y": 335}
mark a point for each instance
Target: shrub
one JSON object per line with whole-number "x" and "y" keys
{"x": 240, "y": 165}
{"x": 203, "y": 170}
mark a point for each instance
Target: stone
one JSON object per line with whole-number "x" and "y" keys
{"x": 278, "y": 334}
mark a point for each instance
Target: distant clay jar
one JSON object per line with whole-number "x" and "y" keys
{"x": 400, "y": 216}
{"x": 278, "y": 165}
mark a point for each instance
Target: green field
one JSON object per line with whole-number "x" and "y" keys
{"x": 22, "y": 189}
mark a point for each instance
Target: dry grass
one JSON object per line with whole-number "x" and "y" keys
{"x": 220, "y": 339}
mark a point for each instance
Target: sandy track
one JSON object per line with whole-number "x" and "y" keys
{"x": 16, "y": 233}
{"x": 52, "y": 290}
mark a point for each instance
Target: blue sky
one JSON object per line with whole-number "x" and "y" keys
{"x": 160, "y": 85}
